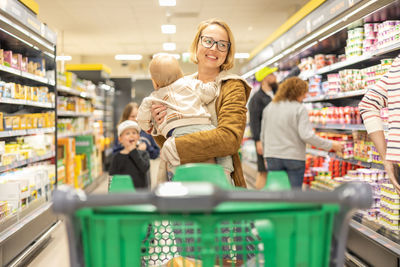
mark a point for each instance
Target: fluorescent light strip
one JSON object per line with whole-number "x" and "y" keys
{"x": 242, "y": 55}
{"x": 169, "y": 46}
{"x": 167, "y": 2}
{"x": 49, "y": 54}
{"x": 128, "y": 57}
{"x": 168, "y": 28}
{"x": 63, "y": 58}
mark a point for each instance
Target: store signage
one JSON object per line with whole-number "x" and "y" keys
{"x": 306, "y": 26}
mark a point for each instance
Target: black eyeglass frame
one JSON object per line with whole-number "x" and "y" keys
{"x": 215, "y": 42}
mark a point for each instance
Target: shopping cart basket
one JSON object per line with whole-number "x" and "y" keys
{"x": 292, "y": 228}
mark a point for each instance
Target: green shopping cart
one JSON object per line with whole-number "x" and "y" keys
{"x": 201, "y": 224}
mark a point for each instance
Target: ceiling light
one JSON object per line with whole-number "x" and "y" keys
{"x": 169, "y": 46}
{"x": 168, "y": 28}
{"x": 167, "y": 2}
{"x": 242, "y": 55}
{"x": 128, "y": 57}
{"x": 63, "y": 58}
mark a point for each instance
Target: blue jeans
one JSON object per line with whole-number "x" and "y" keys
{"x": 294, "y": 168}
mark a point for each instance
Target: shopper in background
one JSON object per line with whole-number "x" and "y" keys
{"x": 257, "y": 103}
{"x": 185, "y": 99}
{"x": 385, "y": 93}
{"x": 146, "y": 141}
{"x": 130, "y": 160}
{"x": 213, "y": 50}
{"x": 286, "y": 129}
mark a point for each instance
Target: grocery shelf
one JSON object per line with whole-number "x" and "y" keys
{"x": 26, "y": 103}
{"x": 380, "y": 239}
{"x": 353, "y": 60}
{"x": 336, "y": 96}
{"x": 72, "y": 114}
{"x": 12, "y": 133}
{"x": 21, "y": 163}
{"x": 350, "y": 127}
{"x": 64, "y": 135}
{"x": 71, "y": 91}
{"x": 26, "y": 75}
{"x": 322, "y": 153}
{"x": 20, "y": 233}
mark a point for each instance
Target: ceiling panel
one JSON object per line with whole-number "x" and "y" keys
{"x": 104, "y": 27}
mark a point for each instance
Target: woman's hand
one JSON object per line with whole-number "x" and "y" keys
{"x": 393, "y": 172}
{"x": 158, "y": 112}
{"x": 337, "y": 146}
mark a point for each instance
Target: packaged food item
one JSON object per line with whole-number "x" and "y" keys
{"x": 7, "y": 58}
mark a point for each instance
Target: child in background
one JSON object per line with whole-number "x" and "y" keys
{"x": 184, "y": 99}
{"x": 131, "y": 160}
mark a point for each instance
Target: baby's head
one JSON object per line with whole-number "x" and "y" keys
{"x": 164, "y": 70}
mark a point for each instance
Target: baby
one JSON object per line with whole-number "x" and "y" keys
{"x": 185, "y": 100}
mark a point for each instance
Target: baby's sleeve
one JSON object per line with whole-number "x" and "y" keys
{"x": 144, "y": 118}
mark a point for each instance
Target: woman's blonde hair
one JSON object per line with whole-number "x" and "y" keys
{"x": 291, "y": 90}
{"x": 127, "y": 111}
{"x": 230, "y": 57}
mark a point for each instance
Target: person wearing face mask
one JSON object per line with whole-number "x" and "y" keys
{"x": 257, "y": 103}
{"x": 213, "y": 50}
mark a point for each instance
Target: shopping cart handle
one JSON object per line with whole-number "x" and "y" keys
{"x": 203, "y": 196}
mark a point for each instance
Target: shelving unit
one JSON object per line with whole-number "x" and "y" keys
{"x": 322, "y": 32}
{"x": 22, "y": 33}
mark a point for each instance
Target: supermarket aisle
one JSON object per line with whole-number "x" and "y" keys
{"x": 56, "y": 251}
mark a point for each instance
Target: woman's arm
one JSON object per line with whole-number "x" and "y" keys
{"x": 226, "y": 138}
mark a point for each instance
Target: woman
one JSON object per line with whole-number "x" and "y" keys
{"x": 213, "y": 50}
{"x": 285, "y": 130}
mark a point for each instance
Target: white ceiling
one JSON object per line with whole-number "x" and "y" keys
{"x": 105, "y": 27}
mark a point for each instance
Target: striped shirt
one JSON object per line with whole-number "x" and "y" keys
{"x": 385, "y": 93}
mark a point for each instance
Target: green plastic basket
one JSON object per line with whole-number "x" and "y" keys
{"x": 235, "y": 234}
{"x": 277, "y": 180}
{"x": 203, "y": 172}
{"x": 121, "y": 183}
{"x": 282, "y": 235}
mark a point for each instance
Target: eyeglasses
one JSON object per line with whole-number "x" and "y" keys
{"x": 208, "y": 42}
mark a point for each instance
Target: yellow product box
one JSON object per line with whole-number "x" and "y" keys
{"x": 16, "y": 123}
{"x": 8, "y": 158}
{"x": 34, "y": 93}
{"x": 34, "y": 121}
{"x": 8, "y": 123}
{"x": 41, "y": 120}
{"x": 28, "y": 122}
{"x": 31, "y": 67}
{"x": 19, "y": 91}
{"x": 1, "y": 121}
{"x": 23, "y": 122}
{"x": 11, "y": 148}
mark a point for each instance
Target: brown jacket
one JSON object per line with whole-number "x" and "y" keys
{"x": 230, "y": 107}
